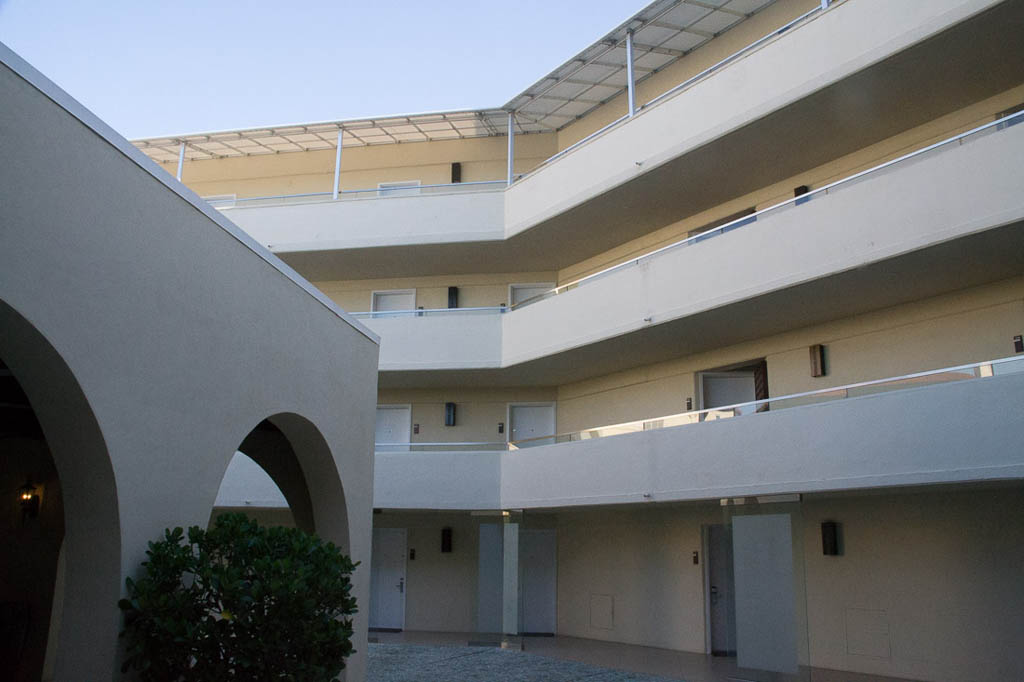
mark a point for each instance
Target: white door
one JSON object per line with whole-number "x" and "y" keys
{"x": 538, "y": 575}
{"x": 521, "y": 292}
{"x": 393, "y": 428}
{"x": 389, "y": 301}
{"x": 727, "y": 388}
{"x": 531, "y": 421}
{"x": 387, "y": 579}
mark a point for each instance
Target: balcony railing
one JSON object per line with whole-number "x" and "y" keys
{"x": 977, "y": 370}
{"x": 227, "y": 203}
{"x": 430, "y": 312}
{"x": 992, "y": 127}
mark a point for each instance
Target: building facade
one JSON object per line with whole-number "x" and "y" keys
{"x": 709, "y": 340}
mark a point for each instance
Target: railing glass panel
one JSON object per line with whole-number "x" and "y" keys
{"x": 353, "y": 194}
{"x": 430, "y": 312}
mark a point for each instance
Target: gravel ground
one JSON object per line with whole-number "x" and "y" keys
{"x": 419, "y": 663}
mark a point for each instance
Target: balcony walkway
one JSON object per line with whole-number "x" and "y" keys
{"x": 457, "y": 656}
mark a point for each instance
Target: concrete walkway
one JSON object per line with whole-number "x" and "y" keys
{"x": 424, "y": 663}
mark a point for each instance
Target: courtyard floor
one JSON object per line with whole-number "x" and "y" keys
{"x": 427, "y": 663}
{"x": 472, "y": 657}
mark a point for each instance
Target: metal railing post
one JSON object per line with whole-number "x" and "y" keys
{"x": 630, "y": 81}
{"x": 181, "y": 160}
{"x": 337, "y": 166}
{"x": 511, "y": 145}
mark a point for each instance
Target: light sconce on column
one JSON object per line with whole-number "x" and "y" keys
{"x": 29, "y": 500}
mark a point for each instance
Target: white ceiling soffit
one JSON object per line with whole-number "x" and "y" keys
{"x": 663, "y": 32}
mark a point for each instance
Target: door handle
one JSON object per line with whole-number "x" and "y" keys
{"x": 714, "y": 594}
{"x": 401, "y": 585}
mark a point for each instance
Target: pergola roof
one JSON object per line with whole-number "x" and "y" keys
{"x": 663, "y": 32}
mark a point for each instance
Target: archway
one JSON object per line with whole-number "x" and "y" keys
{"x": 292, "y": 452}
{"x": 77, "y": 502}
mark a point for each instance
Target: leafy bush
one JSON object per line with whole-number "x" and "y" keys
{"x": 239, "y": 602}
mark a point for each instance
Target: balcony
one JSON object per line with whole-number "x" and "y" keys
{"x": 460, "y": 338}
{"x": 425, "y": 214}
{"x": 878, "y": 238}
{"x": 689, "y": 149}
{"x": 955, "y": 424}
{"x": 888, "y": 218}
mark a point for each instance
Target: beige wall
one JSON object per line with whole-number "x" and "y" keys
{"x": 844, "y": 166}
{"x": 440, "y": 588}
{"x": 939, "y": 568}
{"x": 363, "y": 167}
{"x": 432, "y": 292}
{"x": 967, "y": 326}
{"x": 478, "y": 411}
{"x": 940, "y": 571}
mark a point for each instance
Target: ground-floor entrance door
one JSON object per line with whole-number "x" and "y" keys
{"x": 538, "y": 575}
{"x": 387, "y": 579}
{"x": 720, "y": 590}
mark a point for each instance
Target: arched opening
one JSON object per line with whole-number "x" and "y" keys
{"x": 31, "y": 534}
{"x": 284, "y": 464}
{"x": 60, "y": 571}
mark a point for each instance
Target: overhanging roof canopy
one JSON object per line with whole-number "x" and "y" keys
{"x": 663, "y": 32}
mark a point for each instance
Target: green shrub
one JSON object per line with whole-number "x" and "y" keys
{"x": 239, "y": 602}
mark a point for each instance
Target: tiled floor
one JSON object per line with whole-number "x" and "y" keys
{"x": 457, "y": 657}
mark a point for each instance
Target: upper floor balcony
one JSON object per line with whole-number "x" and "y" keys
{"x": 944, "y": 217}
{"x": 835, "y": 79}
{"x": 955, "y": 424}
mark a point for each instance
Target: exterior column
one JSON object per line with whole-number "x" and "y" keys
{"x": 337, "y": 166}
{"x": 510, "y": 578}
{"x": 630, "y": 81}
{"x": 511, "y": 144}
{"x": 181, "y": 160}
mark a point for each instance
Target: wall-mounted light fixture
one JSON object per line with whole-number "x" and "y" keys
{"x": 819, "y": 366}
{"x": 29, "y": 500}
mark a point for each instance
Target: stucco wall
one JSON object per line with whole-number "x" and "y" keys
{"x": 180, "y": 335}
{"x": 938, "y": 571}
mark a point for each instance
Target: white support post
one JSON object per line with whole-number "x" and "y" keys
{"x": 630, "y": 81}
{"x": 337, "y": 166}
{"x": 511, "y": 145}
{"x": 181, "y": 160}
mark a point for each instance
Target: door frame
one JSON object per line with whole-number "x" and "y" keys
{"x": 382, "y": 313}
{"x": 553, "y": 404}
{"x": 527, "y": 285}
{"x": 705, "y": 544}
{"x": 717, "y": 374}
{"x": 405, "y": 576}
{"x": 395, "y": 406}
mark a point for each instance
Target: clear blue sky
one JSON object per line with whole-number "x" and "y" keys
{"x": 155, "y": 67}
